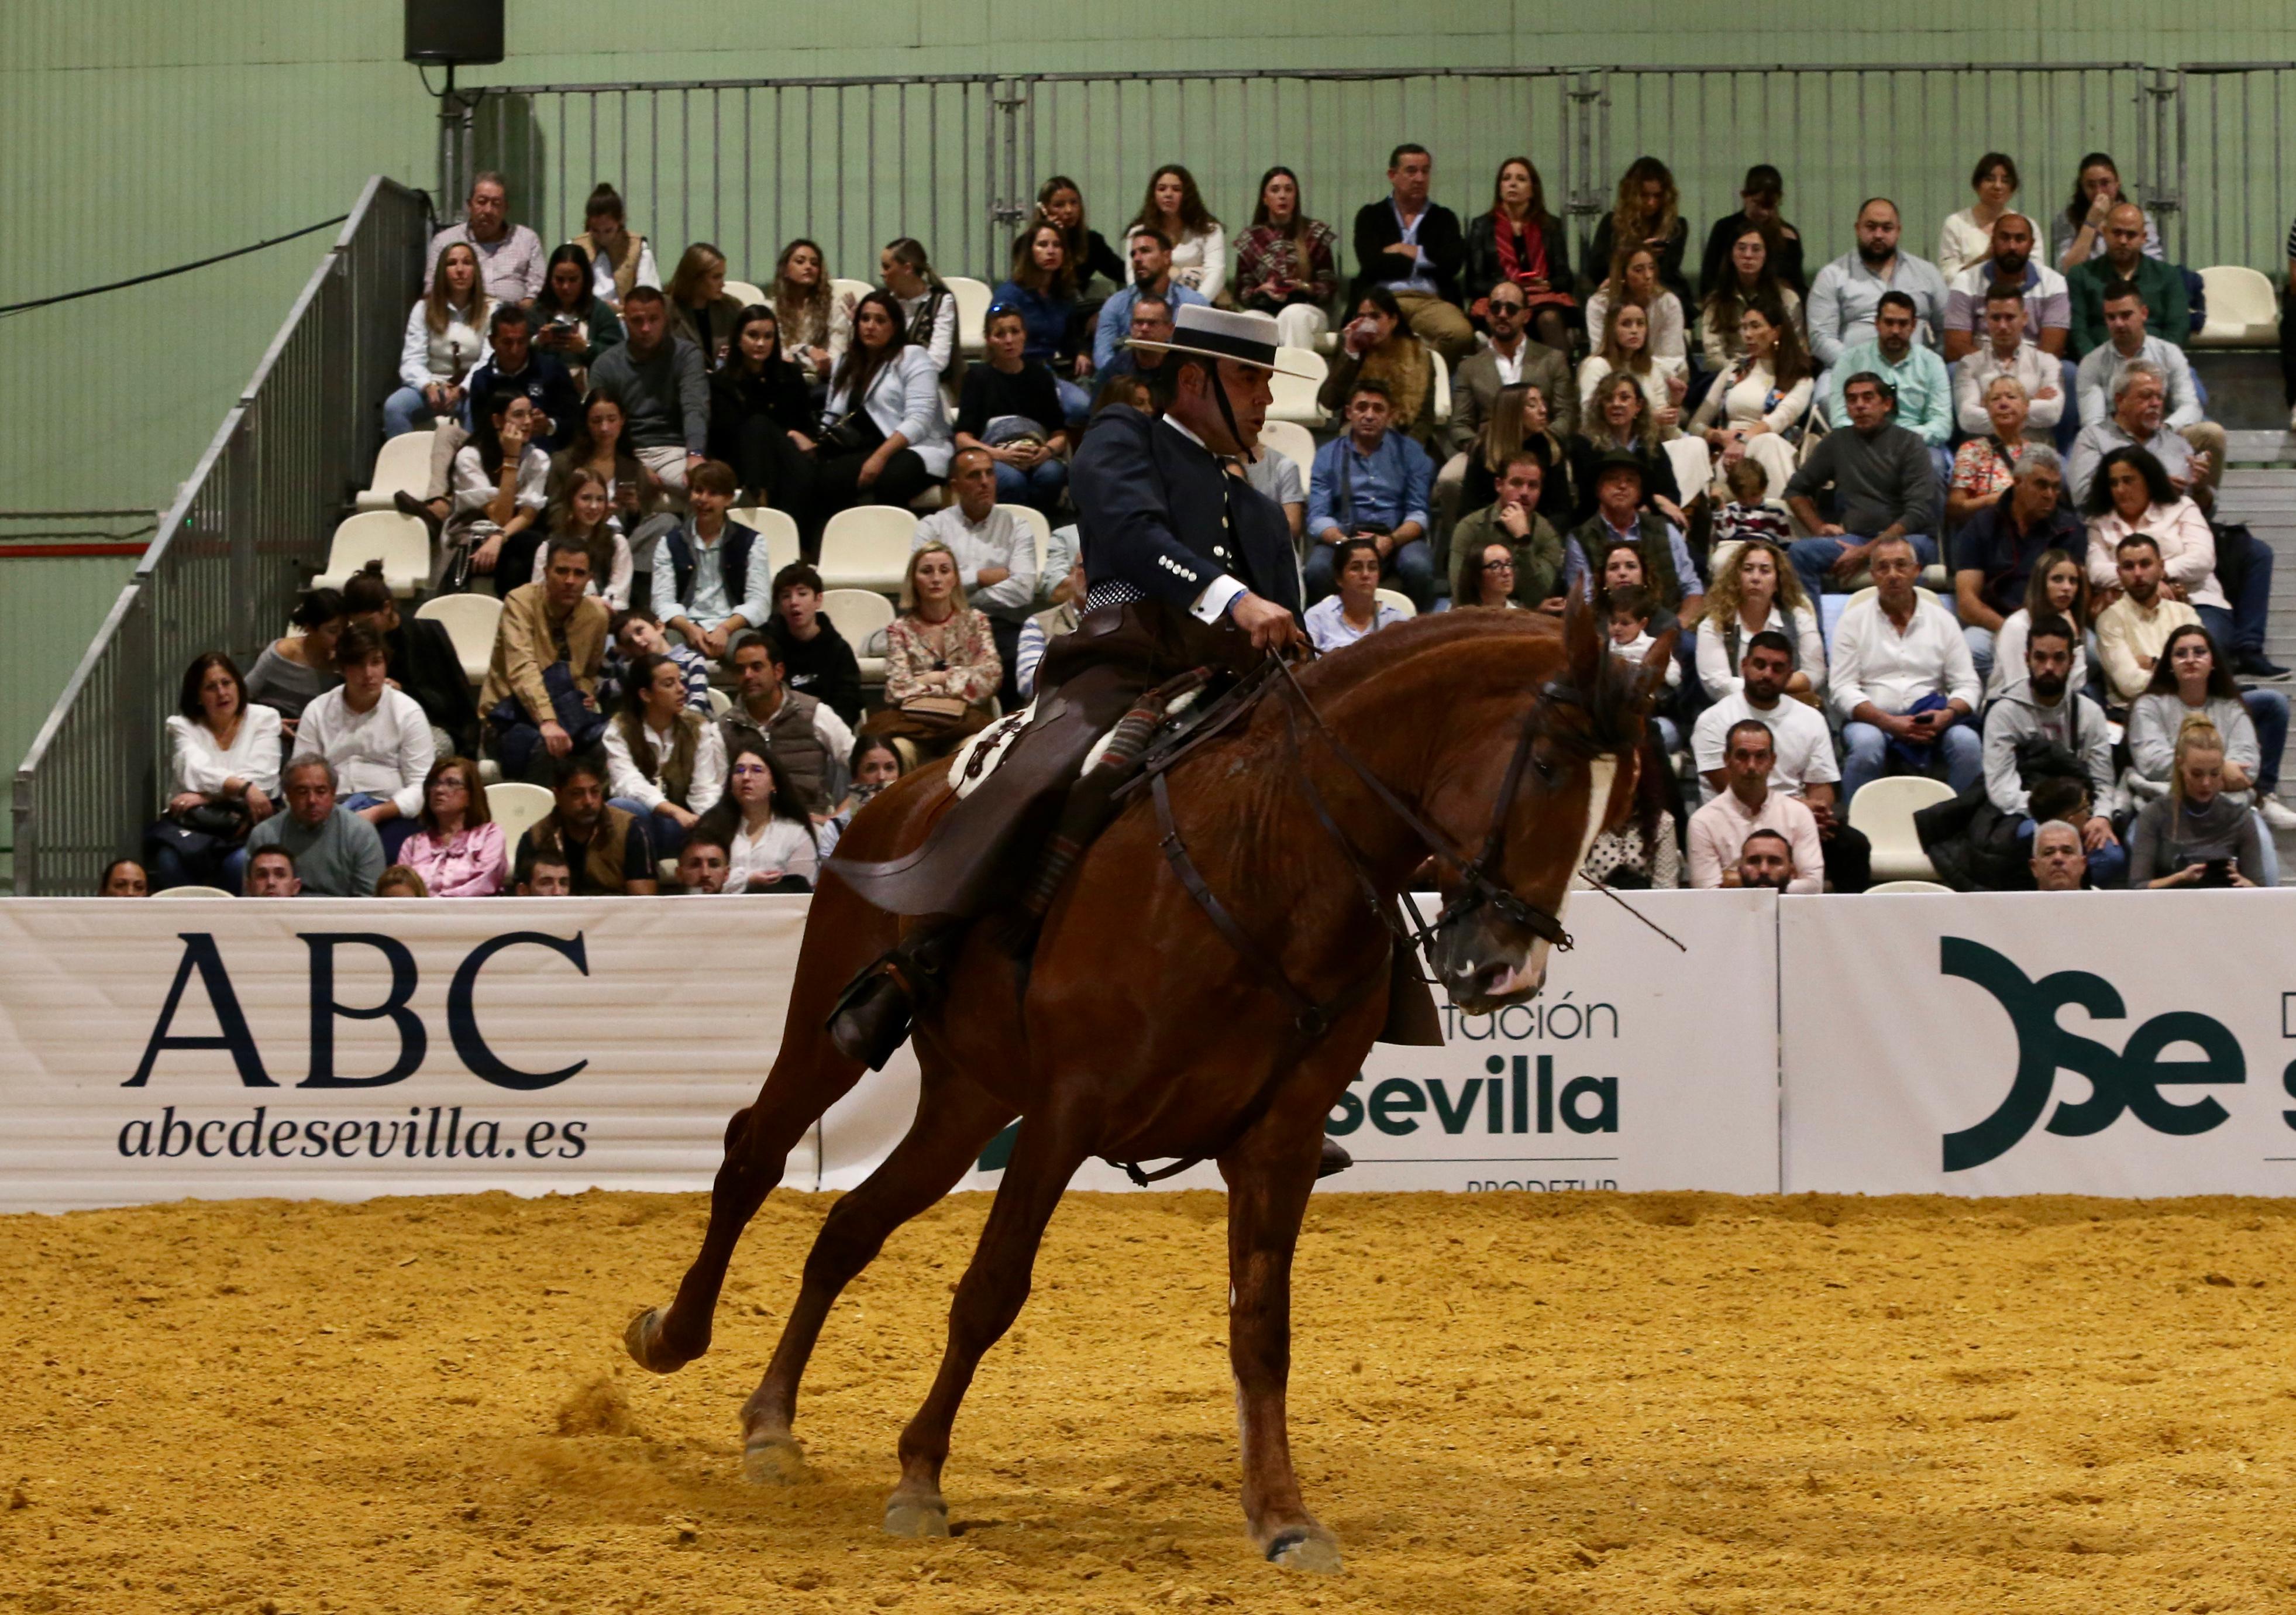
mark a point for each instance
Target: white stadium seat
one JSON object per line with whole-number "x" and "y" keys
{"x": 193, "y": 891}
{"x": 778, "y": 527}
{"x": 1295, "y": 398}
{"x": 470, "y": 621}
{"x": 517, "y": 807}
{"x": 2243, "y": 310}
{"x": 973, "y": 299}
{"x": 1884, "y": 809}
{"x": 861, "y": 617}
{"x": 842, "y": 288}
{"x": 403, "y": 465}
{"x": 1040, "y": 527}
{"x": 1400, "y": 600}
{"x": 1908, "y": 886}
{"x": 402, "y": 543}
{"x": 1293, "y": 441}
{"x": 867, "y": 546}
{"x": 749, "y": 296}
{"x": 1442, "y": 387}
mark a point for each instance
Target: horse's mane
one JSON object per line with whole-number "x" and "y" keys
{"x": 1521, "y": 646}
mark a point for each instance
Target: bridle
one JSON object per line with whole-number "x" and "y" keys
{"x": 1480, "y": 885}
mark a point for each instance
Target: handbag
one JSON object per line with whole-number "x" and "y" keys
{"x": 220, "y": 820}
{"x": 947, "y": 708}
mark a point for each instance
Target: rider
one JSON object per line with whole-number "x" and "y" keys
{"x": 1187, "y": 565}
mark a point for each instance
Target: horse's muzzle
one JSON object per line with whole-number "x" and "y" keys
{"x": 1484, "y": 970}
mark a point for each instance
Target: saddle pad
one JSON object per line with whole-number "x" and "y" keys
{"x": 977, "y": 758}
{"x": 980, "y": 755}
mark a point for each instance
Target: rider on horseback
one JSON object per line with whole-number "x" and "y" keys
{"x": 1188, "y": 566}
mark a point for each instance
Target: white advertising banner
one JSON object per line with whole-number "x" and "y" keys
{"x": 1639, "y": 1067}
{"x": 2109, "y": 1042}
{"x": 338, "y": 1050}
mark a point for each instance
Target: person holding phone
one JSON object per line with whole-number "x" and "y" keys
{"x": 2197, "y": 835}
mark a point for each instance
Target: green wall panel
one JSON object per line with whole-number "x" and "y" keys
{"x": 49, "y": 611}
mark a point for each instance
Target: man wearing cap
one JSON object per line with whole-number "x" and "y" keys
{"x": 1187, "y": 565}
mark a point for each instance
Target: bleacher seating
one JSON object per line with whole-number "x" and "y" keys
{"x": 862, "y": 616}
{"x": 192, "y": 892}
{"x": 2243, "y": 310}
{"x": 1400, "y": 601}
{"x": 746, "y": 294}
{"x": 1295, "y": 397}
{"x": 402, "y": 466}
{"x": 1293, "y": 441}
{"x": 1883, "y": 811}
{"x": 867, "y": 546}
{"x": 973, "y": 299}
{"x": 402, "y": 543}
{"x": 778, "y": 527}
{"x": 470, "y": 621}
{"x": 517, "y": 807}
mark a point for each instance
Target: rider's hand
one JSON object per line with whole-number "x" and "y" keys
{"x": 1271, "y": 626}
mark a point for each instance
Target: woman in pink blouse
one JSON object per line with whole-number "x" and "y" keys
{"x": 459, "y": 851}
{"x": 941, "y": 667}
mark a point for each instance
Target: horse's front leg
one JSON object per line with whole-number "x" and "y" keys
{"x": 1269, "y": 1174}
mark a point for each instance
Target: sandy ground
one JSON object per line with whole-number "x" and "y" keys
{"x": 1499, "y": 1404}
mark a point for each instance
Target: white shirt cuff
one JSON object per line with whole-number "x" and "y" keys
{"x": 1212, "y": 604}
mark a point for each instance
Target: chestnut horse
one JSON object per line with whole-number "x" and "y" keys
{"x": 1137, "y": 1034}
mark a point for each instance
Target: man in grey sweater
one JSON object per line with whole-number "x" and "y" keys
{"x": 1883, "y": 485}
{"x": 658, "y": 380}
{"x": 337, "y": 854}
{"x": 2042, "y": 707}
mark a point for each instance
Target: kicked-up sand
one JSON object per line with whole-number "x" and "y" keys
{"x": 1498, "y": 1403}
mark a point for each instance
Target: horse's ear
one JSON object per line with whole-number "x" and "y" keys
{"x": 1652, "y": 679}
{"x": 1582, "y": 638}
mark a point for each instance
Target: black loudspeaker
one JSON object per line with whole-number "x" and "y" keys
{"x": 453, "y": 33}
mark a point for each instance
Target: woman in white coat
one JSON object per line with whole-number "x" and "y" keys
{"x": 886, "y": 439}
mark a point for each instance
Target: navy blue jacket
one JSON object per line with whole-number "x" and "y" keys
{"x": 1155, "y": 512}
{"x": 547, "y": 387}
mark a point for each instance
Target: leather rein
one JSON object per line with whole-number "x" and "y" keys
{"x": 1479, "y": 884}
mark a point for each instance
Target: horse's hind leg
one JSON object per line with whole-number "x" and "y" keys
{"x": 988, "y": 1298}
{"x": 1270, "y": 1171}
{"x": 842, "y": 934}
{"x": 954, "y": 1119}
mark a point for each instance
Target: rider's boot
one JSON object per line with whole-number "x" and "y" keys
{"x": 872, "y": 1020}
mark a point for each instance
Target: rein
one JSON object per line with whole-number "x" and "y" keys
{"x": 1311, "y": 1021}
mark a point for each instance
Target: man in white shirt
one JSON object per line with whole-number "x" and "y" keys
{"x": 995, "y": 556}
{"x": 1802, "y": 748}
{"x": 376, "y": 738}
{"x": 1846, "y": 292}
{"x": 1719, "y": 830}
{"x": 2127, "y": 342}
{"x": 1893, "y": 651}
{"x": 2006, "y": 352}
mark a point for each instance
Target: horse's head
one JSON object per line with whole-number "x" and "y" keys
{"x": 1529, "y": 803}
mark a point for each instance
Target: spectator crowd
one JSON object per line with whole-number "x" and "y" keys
{"x": 1951, "y": 516}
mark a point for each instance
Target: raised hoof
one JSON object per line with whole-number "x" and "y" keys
{"x": 643, "y": 1340}
{"x": 915, "y": 1517}
{"x": 1299, "y": 1550}
{"x": 774, "y": 1461}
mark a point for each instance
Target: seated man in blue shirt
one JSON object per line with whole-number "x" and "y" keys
{"x": 1372, "y": 483}
{"x": 1152, "y": 276}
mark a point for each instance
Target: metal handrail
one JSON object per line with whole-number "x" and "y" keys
{"x": 250, "y": 524}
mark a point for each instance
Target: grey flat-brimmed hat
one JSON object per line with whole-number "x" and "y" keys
{"x": 1247, "y": 337}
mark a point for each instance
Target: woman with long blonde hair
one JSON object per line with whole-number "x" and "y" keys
{"x": 1754, "y": 592}
{"x": 445, "y": 342}
{"x": 1647, "y": 211}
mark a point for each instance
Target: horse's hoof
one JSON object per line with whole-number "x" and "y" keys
{"x": 774, "y": 1461}
{"x": 915, "y": 1517}
{"x": 643, "y": 1340}
{"x": 1298, "y": 1550}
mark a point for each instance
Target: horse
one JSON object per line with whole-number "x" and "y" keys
{"x": 1131, "y": 1033}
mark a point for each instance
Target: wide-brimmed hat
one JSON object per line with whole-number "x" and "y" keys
{"x": 1247, "y": 337}
{"x": 1622, "y": 459}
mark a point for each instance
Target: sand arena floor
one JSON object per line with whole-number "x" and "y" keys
{"x": 1648, "y": 1404}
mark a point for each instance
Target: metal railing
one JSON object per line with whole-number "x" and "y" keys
{"x": 750, "y": 163}
{"x": 252, "y": 524}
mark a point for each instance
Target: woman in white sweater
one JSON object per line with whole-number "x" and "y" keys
{"x": 889, "y": 439}
{"x": 1175, "y": 209}
{"x": 376, "y": 736}
{"x": 445, "y": 342}
{"x": 1763, "y": 397}
{"x": 223, "y": 767}
{"x": 664, "y": 762}
{"x": 769, "y": 837}
{"x": 1967, "y": 237}
{"x": 1668, "y": 336}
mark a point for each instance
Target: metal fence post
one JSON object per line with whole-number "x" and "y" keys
{"x": 1588, "y": 92}
{"x": 2160, "y": 125}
